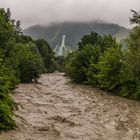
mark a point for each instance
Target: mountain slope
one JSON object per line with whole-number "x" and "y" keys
{"x": 74, "y": 31}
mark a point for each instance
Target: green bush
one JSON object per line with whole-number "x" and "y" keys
{"x": 77, "y": 64}
{"x": 80, "y": 65}
{"x": 7, "y": 82}
{"x": 29, "y": 62}
{"x": 109, "y": 69}
{"x": 6, "y": 120}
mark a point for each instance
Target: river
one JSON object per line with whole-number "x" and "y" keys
{"x": 56, "y": 109}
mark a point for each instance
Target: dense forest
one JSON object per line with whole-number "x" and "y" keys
{"x": 104, "y": 63}
{"x": 22, "y": 59}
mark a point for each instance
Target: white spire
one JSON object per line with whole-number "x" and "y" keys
{"x": 63, "y": 41}
{"x": 62, "y": 48}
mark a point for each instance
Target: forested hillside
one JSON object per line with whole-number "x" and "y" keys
{"x": 74, "y": 31}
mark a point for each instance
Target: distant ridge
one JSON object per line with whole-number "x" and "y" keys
{"x": 74, "y": 31}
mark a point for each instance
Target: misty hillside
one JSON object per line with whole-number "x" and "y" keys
{"x": 74, "y": 31}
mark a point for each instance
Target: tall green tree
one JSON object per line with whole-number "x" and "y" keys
{"x": 81, "y": 65}
{"x": 135, "y": 19}
{"x": 47, "y": 54}
{"x": 131, "y": 72}
{"x": 29, "y": 62}
{"x": 92, "y": 39}
{"x": 109, "y": 69}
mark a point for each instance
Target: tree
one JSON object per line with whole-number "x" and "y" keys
{"x": 8, "y": 13}
{"x": 135, "y": 19}
{"x": 109, "y": 69}
{"x": 131, "y": 72}
{"x": 77, "y": 64}
{"x": 60, "y": 63}
{"x": 81, "y": 65}
{"x": 29, "y": 62}
{"x": 7, "y": 82}
{"x": 7, "y": 38}
{"x": 92, "y": 39}
{"x": 47, "y": 54}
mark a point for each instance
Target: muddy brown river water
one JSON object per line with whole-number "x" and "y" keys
{"x": 55, "y": 109}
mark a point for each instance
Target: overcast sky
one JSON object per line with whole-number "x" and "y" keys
{"x": 31, "y": 12}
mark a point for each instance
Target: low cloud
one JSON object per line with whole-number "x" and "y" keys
{"x": 31, "y": 12}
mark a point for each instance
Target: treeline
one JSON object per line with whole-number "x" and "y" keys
{"x": 104, "y": 63}
{"x": 22, "y": 59}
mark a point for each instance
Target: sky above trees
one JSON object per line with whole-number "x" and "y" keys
{"x": 31, "y": 12}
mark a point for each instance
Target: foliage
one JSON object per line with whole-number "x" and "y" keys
{"x": 131, "y": 72}
{"x": 92, "y": 39}
{"x": 7, "y": 82}
{"x": 21, "y": 60}
{"x": 29, "y": 62}
{"x": 109, "y": 69}
{"x": 77, "y": 64}
{"x": 135, "y": 18}
{"x": 6, "y": 117}
{"x": 47, "y": 54}
{"x": 80, "y": 65}
{"x": 60, "y": 63}
{"x": 102, "y": 62}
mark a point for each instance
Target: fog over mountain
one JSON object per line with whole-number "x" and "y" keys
{"x": 32, "y": 12}
{"x": 74, "y": 31}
